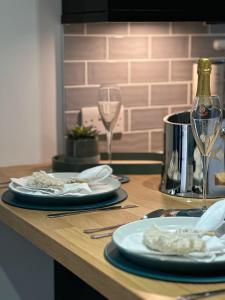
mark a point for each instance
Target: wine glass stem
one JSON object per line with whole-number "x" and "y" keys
{"x": 109, "y": 143}
{"x": 205, "y": 163}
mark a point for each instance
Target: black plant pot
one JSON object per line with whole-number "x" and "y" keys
{"x": 83, "y": 150}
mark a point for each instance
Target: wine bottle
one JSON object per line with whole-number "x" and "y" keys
{"x": 203, "y": 86}
{"x": 204, "y": 71}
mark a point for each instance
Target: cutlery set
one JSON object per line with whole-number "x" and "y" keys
{"x": 152, "y": 214}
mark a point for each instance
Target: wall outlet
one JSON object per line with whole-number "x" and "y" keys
{"x": 90, "y": 116}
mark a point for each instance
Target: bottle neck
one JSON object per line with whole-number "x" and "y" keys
{"x": 203, "y": 88}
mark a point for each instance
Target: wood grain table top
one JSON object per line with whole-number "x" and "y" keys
{"x": 63, "y": 239}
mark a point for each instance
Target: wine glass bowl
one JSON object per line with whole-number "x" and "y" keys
{"x": 109, "y": 105}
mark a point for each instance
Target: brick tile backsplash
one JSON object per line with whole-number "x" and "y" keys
{"x": 108, "y": 72}
{"x": 189, "y": 27}
{"x": 130, "y": 142}
{"x": 169, "y": 47}
{"x": 134, "y": 95}
{"x": 180, "y": 108}
{"x": 76, "y": 98}
{"x": 107, "y": 28}
{"x": 181, "y": 70}
{"x": 164, "y": 94}
{"x": 84, "y": 48}
{"x": 217, "y": 28}
{"x": 74, "y": 73}
{"x": 147, "y": 118}
{"x": 156, "y": 141}
{"x": 74, "y": 28}
{"x": 149, "y": 71}
{"x": 150, "y": 61}
{"x": 71, "y": 120}
{"x": 203, "y": 46}
{"x": 128, "y": 47}
{"x": 149, "y": 28}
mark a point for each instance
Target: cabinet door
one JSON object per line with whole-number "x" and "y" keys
{"x": 77, "y": 6}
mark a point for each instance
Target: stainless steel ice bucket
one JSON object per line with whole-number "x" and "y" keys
{"x": 182, "y": 170}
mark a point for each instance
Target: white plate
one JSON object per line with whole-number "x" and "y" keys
{"x": 128, "y": 238}
{"x": 99, "y": 192}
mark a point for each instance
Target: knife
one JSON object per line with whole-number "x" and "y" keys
{"x": 68, "y": 213}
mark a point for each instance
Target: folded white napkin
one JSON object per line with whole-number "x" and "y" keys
{"x": 91, "y": 177}
{"x": 213, "y": 217}
{"x": 96, "y": 174}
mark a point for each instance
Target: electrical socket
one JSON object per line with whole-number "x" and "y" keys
{"x": 90, "y": 117}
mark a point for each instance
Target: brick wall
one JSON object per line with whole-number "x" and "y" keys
{"x": 152, "y": 63}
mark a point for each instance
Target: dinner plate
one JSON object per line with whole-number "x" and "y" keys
{"x": 100, "y": 192}
{"x": 128, "y": 238}
{"x": 114, "y": 257}
{"x": 9, "y": 198}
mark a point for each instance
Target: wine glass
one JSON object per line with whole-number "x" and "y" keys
{"x": 206, "y": 121}
{"x": 109, "y": 105}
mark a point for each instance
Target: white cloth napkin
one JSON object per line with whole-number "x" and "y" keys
{"x": 92, "y": 176}
{"x": 213, "y": 217}
{"x": 96, "y": 174}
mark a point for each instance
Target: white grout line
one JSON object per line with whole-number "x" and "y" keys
{"x": 151, "y": 107}
{"x": 68, "y": 112}
{"x": 140, "y": 131}
{"x": 149, "y": 95}
{"x": 135, "y": 60}
{"x": 131, "y": 83}
{"x": 128, "y": 32}
{"x": 130, "y": 59}
{"x": 170, "y": 71}
{"x": 189, "y": 94}
{"x": 86, "y": 73}
{"x": 156, "y": 130}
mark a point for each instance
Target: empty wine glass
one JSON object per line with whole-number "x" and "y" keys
{"x": 109, "y": 105}
{"x": 206, "y": 121}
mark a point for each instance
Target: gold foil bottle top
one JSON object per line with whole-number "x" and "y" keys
{"x": 204, "y": 65}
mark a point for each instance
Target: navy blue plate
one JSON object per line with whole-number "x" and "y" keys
{"x": 10, "y": 198}
{"x": 114, "y": 257}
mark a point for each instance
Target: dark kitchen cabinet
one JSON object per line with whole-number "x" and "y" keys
{"x": 74, "y": 11}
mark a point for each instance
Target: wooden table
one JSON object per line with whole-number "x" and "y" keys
{"x": 63, "y": 239}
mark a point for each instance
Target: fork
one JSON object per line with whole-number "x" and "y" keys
{"x": 201, "y": 295}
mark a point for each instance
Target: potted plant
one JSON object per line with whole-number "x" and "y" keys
{"x": 82, "y": 145}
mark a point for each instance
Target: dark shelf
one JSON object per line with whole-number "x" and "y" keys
{"x": 139, "y": 11}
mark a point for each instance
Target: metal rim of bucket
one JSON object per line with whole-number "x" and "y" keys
{"x": 165, "y": 119}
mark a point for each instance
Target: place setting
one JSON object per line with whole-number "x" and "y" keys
{"x": 179, "y": 249}
{"x": 91, "y": 189}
